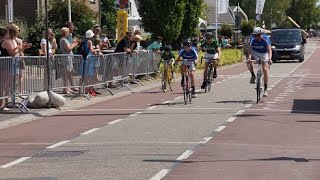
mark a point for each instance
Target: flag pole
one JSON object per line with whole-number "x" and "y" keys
{"x": 216, "y": 19}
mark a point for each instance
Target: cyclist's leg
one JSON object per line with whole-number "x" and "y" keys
{"x": 192, "y": 70}
{"x": 215, "y": 65}
{"x": 250, "y": 68}
{"x": 182, "y": 71}
{"x": 265, "y": 68}
{"x": 205, "y": 75}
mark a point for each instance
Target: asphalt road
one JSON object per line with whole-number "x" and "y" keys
{"x": 149, "y": 134}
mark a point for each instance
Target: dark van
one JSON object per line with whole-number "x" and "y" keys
{"x": 287, "y": 44}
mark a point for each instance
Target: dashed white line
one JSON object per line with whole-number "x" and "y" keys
{"x": 270, "y": 102}
{"x": 220, "y": 128}
{"x": 57, "y": 144}
{"x": 240, "y": 112}
{"x": 132, "y": 115}
{"x": 279, "y": 97}
{"x": 115, "y": 121}
{"x": 152, "y": 107}
{"x": 166, "y": 102}
{"x": 15, "y": 162}
{"x": 90, "y": 131}
{"x": 205, "y": 140}
{"x": 248, "y": 106}
{"x": 185, "y": 155}
{"x": 179, "y": 97}
{"x": 161, "y": 174}
{"x": 231, "y": 119}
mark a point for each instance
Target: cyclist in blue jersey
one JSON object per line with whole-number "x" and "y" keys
{"x": 260, "y": 47}
{"x": 189, "y": 57}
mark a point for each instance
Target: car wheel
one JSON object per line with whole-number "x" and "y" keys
{"x": 301, "y": 59}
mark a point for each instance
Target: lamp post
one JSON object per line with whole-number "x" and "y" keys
{"x": 69, "y": 10}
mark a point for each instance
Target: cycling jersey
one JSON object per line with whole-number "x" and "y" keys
{"x": 260, "y": 46}
{"x": 191, "y": 55}
{"x": 211, "y": 48}
{"x": 167, "y": 57}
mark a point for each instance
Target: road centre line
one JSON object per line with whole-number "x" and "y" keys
{"x": 90, "y": 131}
{"x": 57, "y": 144}
{"x": 166, "y": 102}
{"x": 231, "y": 119}
{"x": 220, "y": 128}
{"x": 205, "y": 140}
{"x": 160, "y": 174}
{"x": 115, "y": 121}
{"x": 15, "y": 162}
{"x": 152, "y": 107}
{"x": 185, "y": 155}
{"x": 248, "y": 106}
{"x": 240, "y": 112}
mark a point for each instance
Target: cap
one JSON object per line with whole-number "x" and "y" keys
{"x": 89, "y": 34}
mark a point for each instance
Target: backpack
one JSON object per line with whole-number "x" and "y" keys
{"x": 83, "y": 49}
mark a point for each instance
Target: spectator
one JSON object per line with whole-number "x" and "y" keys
{"x": 52, "y": 47}
{"x": 138, "y": 32}
{"x": 156, "y": 45}
{"x": 105, "y": 42}
{"x": 134, "y": 45}
{"x": 70, "y": 38}
{"x": 66, "y": 48}
{"x": 4, "y": 70}
{"x": 124, "y": 44}
{"x": 96, "y": 31}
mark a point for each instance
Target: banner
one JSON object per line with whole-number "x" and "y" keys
{"x": 223, "y": 6}
{"x": 259, "y": 6}
{"x": 122, "y": 4}
{"x": 122, "y": 24}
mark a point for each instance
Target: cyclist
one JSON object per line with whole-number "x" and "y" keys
{"x": 260, "y": 47}
{"x": 168, "y": 57}
{"x": 189, "y": 57}
{"x": 212, "y": 50}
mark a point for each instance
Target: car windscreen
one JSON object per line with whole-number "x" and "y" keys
{"x": 287, "y": 36}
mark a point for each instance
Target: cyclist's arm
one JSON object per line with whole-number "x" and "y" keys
{"x": 269, "y": 52}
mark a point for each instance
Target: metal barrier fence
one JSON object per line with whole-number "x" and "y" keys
{"x": 23, "y": 76}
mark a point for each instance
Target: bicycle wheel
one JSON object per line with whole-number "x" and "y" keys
{"x": 163, "y": 82}
{"x": 258, "y": 87}
{"x": 185, "y": 90}
{"x": 171, "y": 80}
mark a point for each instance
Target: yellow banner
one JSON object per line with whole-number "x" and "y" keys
{"x": 122, "y": 24}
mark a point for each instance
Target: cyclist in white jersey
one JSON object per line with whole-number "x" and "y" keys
{"x": 260, "y": 47}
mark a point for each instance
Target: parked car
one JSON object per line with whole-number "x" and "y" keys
{"x": 287, "y": 44}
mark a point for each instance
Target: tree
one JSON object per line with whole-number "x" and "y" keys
{"x": 108, "y": 15}
{"x": 82, "y": 16}
{"x": 162, "y": 18}
{"x": 190, "y": 23}
{"x": 247, "y": 27}
{"x": 303, "y": 12}
{"x": 226, "y": 30}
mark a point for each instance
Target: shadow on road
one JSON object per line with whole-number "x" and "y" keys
{"x": 236, "y": 102}
{"x": 306, "y": 106}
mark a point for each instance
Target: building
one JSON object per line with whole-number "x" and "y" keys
{"x": 26, "y": 9}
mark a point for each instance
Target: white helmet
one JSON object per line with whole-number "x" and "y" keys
{"x": 257, "y": 30}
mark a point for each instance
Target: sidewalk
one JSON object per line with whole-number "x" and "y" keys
{"x": 277, "y": 139}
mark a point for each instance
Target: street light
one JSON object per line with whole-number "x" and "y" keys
{"x": 69, "y": 9}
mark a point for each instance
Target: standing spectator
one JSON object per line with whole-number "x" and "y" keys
{"x": 135, "y": 43}
{"x": 96, "y": 31}
{"x": 70, "y": 38}
{"x": 52, "y": 47}
{"x": 66, "y": 48}
{"x": 9, "y": 47}
{"x": 137, "y": 32}
{"x": 105, "y": 42}
{"x": 156, "y": 45}
{"x": 124, "y": 44}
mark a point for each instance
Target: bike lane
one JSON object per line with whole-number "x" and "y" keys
{"x": 27, "y": 139}
{"x": 276, "y": 139}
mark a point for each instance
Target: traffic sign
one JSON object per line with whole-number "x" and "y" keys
{"x": 258, "y": 17}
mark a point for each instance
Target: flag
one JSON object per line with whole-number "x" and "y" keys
{"x": 223, "y": 6}
{"x": 259, "y": 6}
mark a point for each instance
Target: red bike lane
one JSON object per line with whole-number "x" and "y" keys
{"x": 276, "y": 139}
{"x": 27, "y": 139}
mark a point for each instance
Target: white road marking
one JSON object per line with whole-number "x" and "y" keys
{"x": 152, "y": 107}
{"x": 166, "y": 102}
{"x": 270, "y": 102}
{"x": 187, "y": 108}
{"x": 240, "y": 112}
{"x": 15, "y": 162}
{"x": 179, "y": 97}
{"x": 85, "y": 110}
{"x": 57, "y": 144}
{"x": 115, "y": 121}
{"x": 248, "y": 106}
{"x": 283, "y": 95}
{"x": 90, "y": 131}
{"x": 279, "y": 97}
{"x": 220, "y": 128}
{"x": 205, "y": 140}
{"x": 231, "y": 119}
{"x": 185, "y": 155}
{"x": 161, "y": 174}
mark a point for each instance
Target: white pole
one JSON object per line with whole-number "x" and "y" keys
{"x": 69, "y": 10}
{"x": 216, "y": 19}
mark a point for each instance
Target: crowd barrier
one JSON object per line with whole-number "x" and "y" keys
{"x": 27, "y": 75}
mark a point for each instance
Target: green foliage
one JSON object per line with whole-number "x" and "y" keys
{"x": 108, "y": 15}
{"x": 162, "y": 18}
{"x": 35, "y": 32}
{"x": 192, "y": 13}
{"x": 82, "y": 16}
{"x": 23, "y": 26}
{"x": 247, "y": 27}
{"x": 226, "y": 30}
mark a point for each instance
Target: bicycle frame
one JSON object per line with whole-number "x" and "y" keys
{"x": 187, "y": 85}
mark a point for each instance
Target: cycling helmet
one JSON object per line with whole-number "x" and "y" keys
{"x": 187, "y": 43}
{"x": 209, "y": 34}
{"x": 257, "y": 30}
{"x": 168, "y": 48}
